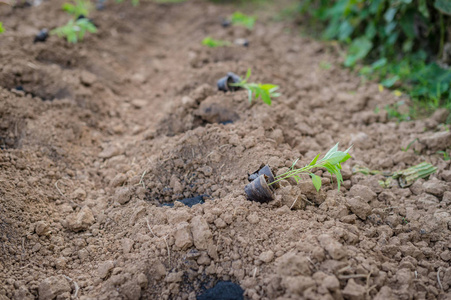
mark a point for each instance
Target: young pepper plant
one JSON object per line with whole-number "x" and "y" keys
{"x": 81, "y": 8}
{"x": 331, "y": 162}
{"x": 75, "y": 31}
{"x": 258, "y": 90}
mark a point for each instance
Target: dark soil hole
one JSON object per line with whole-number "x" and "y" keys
{"x": 190, "y": 202}
{"x": 223, "y": 290}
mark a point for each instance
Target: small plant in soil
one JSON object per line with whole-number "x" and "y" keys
{"x": 331, "y": 162}
{"x": 258, "y": 90}
{"x": 81, "y": 8}
{"x": 263, "y": 182}
{"x": 134, "y": 2}
{"x": 1, "y": 28}
{"x": 212, "y": 43}
{"x": 240, "y": 19}
{"x": 75, "y": 30}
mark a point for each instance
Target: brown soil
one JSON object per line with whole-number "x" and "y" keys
{"x": 107, "y": 130}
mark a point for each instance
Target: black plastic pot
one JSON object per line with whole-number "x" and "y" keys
{"x": 258, "y": 190}
{"x": 264, "y": 170}
{"x": 226, "y": 23}
{"x": 224, "y": 82}
{"x": 41, "y": 36}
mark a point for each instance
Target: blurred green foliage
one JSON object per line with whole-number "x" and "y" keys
{"x": 398, "y": 41}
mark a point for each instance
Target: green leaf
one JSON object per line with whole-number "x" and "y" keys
{"x": 423, "y": 8}
{"x": 358, "y": 49}
{"x": 314, "y": 160}
{"x": 331, "y": 151}
{"x": 1, "y": 28}
{"x": 443, "y": 5}
{"x": 389, "y": 82}
{"x": 248, "y": 74}
{"x": 316, "y": 181}
{"x": 241, "y": 19}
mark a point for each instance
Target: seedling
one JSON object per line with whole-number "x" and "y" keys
{"x": 331, "y": 162}
{"x": 409, "y": 145}
{"x": 258, "y": 90}
{"x": 75, "y": 31}
{"x": 134, "y": 2}
{"x": 1, "y": 28}
{"x": 445, "y": 154}
{"x": 212, "y": 43}
{"x": 240, "y": 19}
{"x": 81, "y": 8}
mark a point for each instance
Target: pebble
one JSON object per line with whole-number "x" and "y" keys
{"x": 52, "y": 287}
{"x": 201, "y": 233}
{"x": 81, "y": 220}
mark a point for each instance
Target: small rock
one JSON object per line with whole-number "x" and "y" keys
{"x": 291, "y": 264}
{"x": 385, "y": 293}
{"x": 139, "y": 103}
{"x": 123, "y": 195}
{"x": 174, "y": 277}
{"x": 362, "y": 191}
{"x": 52, "y": 287}
{"x": 178, "y": 216}
{"x": 435, "y": 187}
{"x": 183, "y": 237}
{"x": 201, "y": 233}
{"x": 331, "y": 283}
{"x": 127, "y": 245}
{"x": 42, "y": 228}
{"x": 359, "y": 207}
{"x": 142, "y": 280}
{"x": 446, "y": 175}
{"x": 335, "y": 249}
{"x": 78, "y": 194}
{"x": 118, "y": 180}
{"x": 188, "y": 102}
{"x": 266, "y": 256}
{"x": 253, "y": 218}
{"x": 87, "y": 78}
{"x": 81, "y": 220}
{"x": 104, "y": 269}
{"x": 353, "y": 291}
{"x": 437, "y": 141}
{"x": 110, "y": 151}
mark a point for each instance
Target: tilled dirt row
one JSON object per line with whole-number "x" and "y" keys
{"x": 98, "y": 139}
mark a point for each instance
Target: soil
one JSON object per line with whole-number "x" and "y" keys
{"x": 98, "y": 137}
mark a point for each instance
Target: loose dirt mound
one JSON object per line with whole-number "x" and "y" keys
{"x": 98, "y": 138}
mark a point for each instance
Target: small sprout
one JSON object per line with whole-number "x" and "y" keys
{"x": 212, "y": 43}
{"x": 445, "y": 154}
{"x": 325, "y": 65}
{"x": 409, "y": 145}
{"x": 331, "y": 162}
{"x": 240, "y": 19}
{"x": 75, "y": 31}
{"x": 258, "y": 90}
{"x": 81, "y": 8}
{"x": 405, "y": 221}
{"x": 1, "y": 28}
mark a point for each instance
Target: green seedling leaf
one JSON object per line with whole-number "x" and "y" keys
{"x": 331, "y": 162}
{"x": 74, "y": 31}
{"x": 316, "y": 181}
{"x": 80, "y": 8}
{"x": 1, "y": 28}
{"x": 240, "y": 19}
{"x": 257, "y": 90}
{"x": 314, "y": 160}
{"x": 212, "y": 43}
